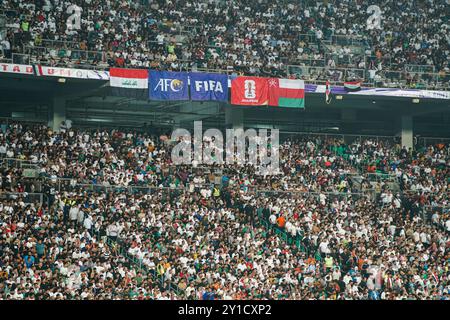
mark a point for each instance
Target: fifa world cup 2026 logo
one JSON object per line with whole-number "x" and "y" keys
{"x": 250, "y": 89}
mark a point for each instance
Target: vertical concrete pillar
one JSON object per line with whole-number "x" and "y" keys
{"x": 57, "y": 113}
{"x": 234, "y": 118}
{"x": 407, "y": 131}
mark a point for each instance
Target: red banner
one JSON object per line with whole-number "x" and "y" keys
{"x": 250, "y": 91}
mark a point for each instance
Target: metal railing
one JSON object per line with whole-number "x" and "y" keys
{"x": 403, "y": 79}
{"x": 320, "y": 75}
{"x": 20, "y": 58}
{"x": 384, "y": 78}
{"x": 426, "y": 141}
{"x": 62, "y": 184}
{"x": 346, "y": 40}
{"x": 28, "y": 198}
{"x": 310, "y": 62}
{"x": 309, "y": 38}
{"x": 159, "y": 279}
{"x": 419, "y": 68}
{"x": 282, "y": 233}
{"x": 18, "y": 163}
{"x": 381, "y": 177}
{"x": 77, "y": 58}
{"x": 60, "y": 44}
{"x": 309, "y": 69}
{"x": 315, "y": 194}
{"x": 345, "y": 60}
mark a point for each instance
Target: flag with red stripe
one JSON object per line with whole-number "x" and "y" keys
{"x": 352, "y": 86}
{"x": 130, "y": 83}
{"x": 287, "y": 93}
{"x": 327, "y": 92}
{"x": 128, "y": 78}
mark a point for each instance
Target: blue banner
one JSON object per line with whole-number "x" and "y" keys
{"x": 166, "y": 85}
{"x": 208, "y": 86}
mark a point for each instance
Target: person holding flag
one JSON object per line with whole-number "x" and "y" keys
{"x": 327, "y": 93}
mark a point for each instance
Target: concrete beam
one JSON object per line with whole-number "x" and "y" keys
{"x": 57, "y": 113}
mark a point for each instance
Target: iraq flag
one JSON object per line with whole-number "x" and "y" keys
{"x": 130, "y": 83}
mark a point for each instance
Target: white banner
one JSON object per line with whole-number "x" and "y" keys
{"x": 73, "y": 73}
{"x": 386, "y": 92}
{"x": 410, "y": 93}
{"x": 16, "y": 68}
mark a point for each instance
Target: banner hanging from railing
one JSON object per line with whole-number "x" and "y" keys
{"x": 208, "y": 86}
{"x": 130, "y": 83}
{"x": 73, "y": 73}
{"x": 16, "y": 68}
{"x": 250, "y": 91}
{"x": 128, "y": 78}
{"x": 167, "y": 85}
{"x": 386, "y": 92}
{"x": 286, "y": 93}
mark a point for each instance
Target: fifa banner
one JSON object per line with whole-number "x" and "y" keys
{"x": 286, "y": 93}
{"x": 250, "y": 91}
{"x": 208, "y": 86}
{"x": 129, "y": 83}
{"x": 167, "y": 85}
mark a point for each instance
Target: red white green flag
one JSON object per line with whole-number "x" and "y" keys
{"x": 286, "y": 93}
{"x": 352, "y": 86}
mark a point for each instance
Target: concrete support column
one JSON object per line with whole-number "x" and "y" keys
{"x": 57, "y": 113}
{"x": 407, "y": 132}
{"x": 234, "y": 118}
{"x": 348, "y": 118}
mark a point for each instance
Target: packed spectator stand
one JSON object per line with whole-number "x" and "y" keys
{"x": 119, "y": 221}
{"x": 314, "y": 40}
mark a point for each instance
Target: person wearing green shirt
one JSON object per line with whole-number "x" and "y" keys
{"x": 329, "y": 262}
{"x": 139, "y": 279}
{"x": 171, "y": 48}
{"x": 160, "y": 269}
{"x": 62, "y": 53}
{"x": 25, "y": 26}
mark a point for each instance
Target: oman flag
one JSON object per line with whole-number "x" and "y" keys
{"x": 286, "y": 93}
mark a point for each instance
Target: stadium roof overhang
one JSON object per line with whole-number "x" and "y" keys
{"x": 91, "y": 101}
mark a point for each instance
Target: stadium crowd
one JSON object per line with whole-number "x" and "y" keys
{"x": 129, "y": 225}
{"x": 254, "y": 38}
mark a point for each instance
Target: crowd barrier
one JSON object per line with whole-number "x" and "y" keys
{"x": 27, "y": 198}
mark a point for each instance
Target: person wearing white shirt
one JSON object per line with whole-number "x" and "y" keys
{"x": 80, "y": 216}
{"x": 112, "y": 231}
{"x": 73, "y": 214}
{"x": 2, "y": 150}
{"x": 87, "y": 223}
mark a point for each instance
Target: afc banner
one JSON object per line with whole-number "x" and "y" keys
{"x": 167, "y": 85}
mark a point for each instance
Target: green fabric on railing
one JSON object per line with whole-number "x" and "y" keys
{"x": 280, "y": 232}
{"x": 138, "y": 263}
